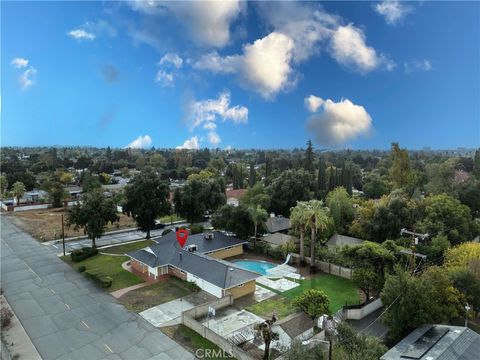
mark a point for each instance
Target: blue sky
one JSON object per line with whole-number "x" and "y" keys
{"x": 237, "y": 74}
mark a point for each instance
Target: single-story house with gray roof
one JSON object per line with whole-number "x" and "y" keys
{"x": 338, "y": 240}
{"x": 278, "y": 239}
{"x": 200, "y": 261}
{"x": 277, "y": 223}
{"x": 298, "y": 326}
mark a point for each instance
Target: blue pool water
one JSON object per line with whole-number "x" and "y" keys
{"x": 260, "y": 267}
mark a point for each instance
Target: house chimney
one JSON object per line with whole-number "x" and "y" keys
{"x": 272, "y": 215}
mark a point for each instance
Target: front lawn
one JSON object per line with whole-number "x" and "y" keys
{"x": 111, "y": 266}
{"x": 166, "y": 290}
{"x": 125, "y": 248}
{"x": 278, "y": 305}
{"x": 339, "y": 290}
{"x": 170, "y": 218}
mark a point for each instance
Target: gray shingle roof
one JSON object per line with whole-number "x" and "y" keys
{"x": 277, "y": 223}
{"x": 340, "y": 240}
{"x": 296, "y": 324}
{"x": 215, "y": 271}
{"x": 279, "y": 238}
{"x": 459, "y": 343}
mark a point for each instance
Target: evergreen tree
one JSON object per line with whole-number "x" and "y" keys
{"x": 321, "y": 180}
{"x": 268, "y": 168}
{"x": 476, "y": 164}
{"x": 309, "y": 157}
{"x": 349, "y": 180}
{"x": 251, "y": 178}
{"x": 331, "y": 180}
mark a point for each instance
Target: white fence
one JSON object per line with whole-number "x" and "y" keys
{"x": 360, "y": 313}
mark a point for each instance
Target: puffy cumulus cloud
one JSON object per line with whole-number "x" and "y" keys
{"x": 313, "y": 102}
{"x": 208, "y": 22}
{"x": 214, "y": 138}
{"x": 80, "y": 34}
{"x": 339, "y": 122}
{"x": 191, "y": 143}
{"x": 393, "y": 11}
{"x": 349, "y": 48}
{"x": 140, "y": 142}
{"x": 26, "y": 78}
{"x": 417, "y": 65}
{"x": 19, "y": 63}
{"x": 206, "y": 113}
{"x": 164, "y": 78}
{"x": 171, "y": 59}
{"x": 265, "y": 65}
{"x": 306, "y": 24}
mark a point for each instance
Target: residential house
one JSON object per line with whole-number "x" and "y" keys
{"x": 278, "y": 239}
{"x": 338, "y": 240}
{"x": 278, "y": 224}
{"x": 298, "y": 326}
{"x": 200, "y": 261}
{"x": 437, "y": 342}
{"x": 234, "y": 196}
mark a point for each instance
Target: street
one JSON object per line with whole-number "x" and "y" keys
{"x": 65, "y": 315}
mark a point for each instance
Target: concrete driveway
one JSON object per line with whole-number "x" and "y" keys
{"x": 167, "y": 314}
{"x": 65, "y": 315}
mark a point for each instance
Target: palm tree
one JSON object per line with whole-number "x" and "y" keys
{"x": 298, "y": 217}
{"x": 258, "y": 216}
{"x": 265, "y": 332}
{"x": 18, "y": 189}
{"x": 318, "y": 221}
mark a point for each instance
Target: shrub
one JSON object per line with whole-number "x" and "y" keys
{"x": 6, "y": 315}
{"x": 100, "y": 278}
{"x": 196, "y": 229}
{"x": 82, "y": 268}
{"x": 83, "y": 253}
{"x": 166, "y": 231}
{"x": 192, "y": 286}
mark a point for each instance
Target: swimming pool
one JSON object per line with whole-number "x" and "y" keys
{"x": 257, "y": 266}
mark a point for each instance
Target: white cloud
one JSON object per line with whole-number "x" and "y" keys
{"x": 171, "y": 59}
{"x": 208, "y": 22}
{"x": 339, "y": 122}
{"x": 348, "y": 47}
{"x": 164, "y": 78}
{"x": 81, "y": 34}
{"x": 214, "y": 138}
{"x": 210, "y": 126}
{"x": 417, "y": 65}
{"x": 208, "y": 111}
{"x": 393, "y": 11}
{"x": 264, "y": 66}
{"x": 19, "y": 63}
{"x": 313, "y": 102}
{"x": 140, "y": 142}
{"x": 191, "y": 143}
{"x": 26, "y": 78}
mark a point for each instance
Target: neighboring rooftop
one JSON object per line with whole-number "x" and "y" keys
{"x": 278, "y": 239}
{"x": 340, "y": 240}
{"x": 296, "y": 324}
{"x": 237, "y": 193}
{"x": 277, "y": 223}
{"x": 437, "y": 342}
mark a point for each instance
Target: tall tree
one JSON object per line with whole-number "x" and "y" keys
{"x": 18, "y": 190}
{"x": 318, "y": 221}
{"x": 258, "y": 216}
{"x": 331, "y": 180}
{"x": 299, "y": 218}
{"x": 400, "y": 171}
{"x": 321, "y": 179}
{"x": 251, "y": 177}
{"x": 3, "y": 184}
{"x": 93, "y": 214}
{"x": 309, "y": 157}
{"x": 256, "y": 196}
{"x": 476, "y": 164}
{"x": 146, "y": 199}
{"x": 341, "y": 208}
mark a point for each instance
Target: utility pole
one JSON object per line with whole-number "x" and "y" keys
{"x": 63, "y": 236}
{"x": 415, "y": 239}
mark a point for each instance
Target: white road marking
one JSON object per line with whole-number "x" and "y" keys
{"x": 84, "y": 323}
{"x": 108, "y": 348}
{"x": 67, "y": 306}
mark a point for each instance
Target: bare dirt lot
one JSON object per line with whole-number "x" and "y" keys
{"x": 45, "y": 225}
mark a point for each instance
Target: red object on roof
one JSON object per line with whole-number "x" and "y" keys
{"x": 237, "y": 194}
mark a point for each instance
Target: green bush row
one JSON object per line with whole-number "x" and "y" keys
{"x": 100, "y": 278}
{"x": 83, "y": 253}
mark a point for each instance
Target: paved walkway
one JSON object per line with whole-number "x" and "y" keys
{"x": 65, "y": 315}
{"x": 119, "y": 293}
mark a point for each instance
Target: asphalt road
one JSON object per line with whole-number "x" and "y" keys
{"x": 67, "y": 316}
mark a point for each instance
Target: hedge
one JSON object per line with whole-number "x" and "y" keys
{"x": 83, "y": 253}
{"x": 100, "y": 278}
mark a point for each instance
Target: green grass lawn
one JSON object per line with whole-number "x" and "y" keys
{"x": 338, "y": 290}
{"x": 146, "y": 297}
{"x": 122, "y": 249}
{"x": 170, "y": 218}
{"x": 278, "y": 305}
{"x": 111, "y": 266}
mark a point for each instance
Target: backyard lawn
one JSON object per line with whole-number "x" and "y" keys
{"x": 278, "y": 305}
{"x": 170, "y": 288}
{"x": 122, "y": 249}
{"x": 111, "y": 266}
{"x": 339, "y": 290}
